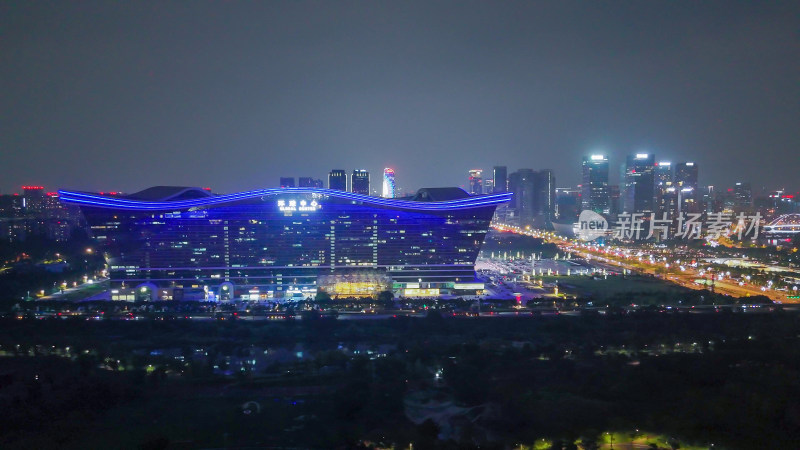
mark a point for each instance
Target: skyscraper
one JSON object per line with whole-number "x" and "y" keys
{"x": 337, "y": 180}
{"x": 534, "y": 199}
{"x": 742, "y": 196}
{"x": 476, "y": 181}
{"x": 359, "y": 183}
{"x": 545, "y": 187}
{"x": 500, "y": 176}
{"x": 568, "y": 204}
{"x": 664, "y": 187}
{"x": 388, "y": 183}
{"x": 686, "y": 174}
{"x": 287, "y": 182}
{"x": 595, "y": 193}
{"x": 33, "y": 199}
{"x": 639, "y": 183}
{"x": 663, "y": 173}
{"x": 686, "y": 182}
{"x": 521, "y": 183}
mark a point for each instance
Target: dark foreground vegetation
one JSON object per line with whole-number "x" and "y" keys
{"x": 731, "y": 379}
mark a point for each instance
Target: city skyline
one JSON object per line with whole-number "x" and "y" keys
{"x": 615, "y": 177}
{"x": 417, "y": 224}
{"x": 414, "y": 86}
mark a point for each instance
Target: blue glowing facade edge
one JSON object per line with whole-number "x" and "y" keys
{"x": 101, "y": 201}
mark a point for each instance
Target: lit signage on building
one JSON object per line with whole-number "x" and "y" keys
{"x": 298, "y": 205}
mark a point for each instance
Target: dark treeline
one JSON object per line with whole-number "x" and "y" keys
{"x": 512, "y": 243}
{"x": 726, "y": 378}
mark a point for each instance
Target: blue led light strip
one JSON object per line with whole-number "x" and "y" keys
{"x": 99, "y": 201}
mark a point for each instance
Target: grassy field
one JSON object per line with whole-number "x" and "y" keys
{"x": 640, "y": 289}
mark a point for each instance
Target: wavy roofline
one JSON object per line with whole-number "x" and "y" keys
{"x": 101, "y": 201}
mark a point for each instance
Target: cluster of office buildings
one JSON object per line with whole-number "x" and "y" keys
{"x": 357, "y": 182}
{"x": 534, "y": 194}
{"x": 646, "y": 186}
{"x": 35, "y": 213}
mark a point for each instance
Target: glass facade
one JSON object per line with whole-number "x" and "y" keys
{"x": 285, "y": 243}
{"x": 640, "y": 183}
{"x": 596, "y": 194}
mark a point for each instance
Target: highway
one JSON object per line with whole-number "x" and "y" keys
{"x": 685, "y": 277}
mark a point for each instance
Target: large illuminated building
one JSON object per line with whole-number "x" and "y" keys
{"x": 500, "y": 179}
{"x": 186, "y": 243}
{"x": 359, "y": 182}
{"x": 534, "y": 197}
{"x": 686, "y": 180}
{"x": 389, "y": 190}
{"x": 595, "y": 194}
{"x": 476, "y": 181}
{"x": 337, "y": 180}
{"x": 640, "y": 182}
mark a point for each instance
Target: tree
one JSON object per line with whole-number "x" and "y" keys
{"x": 310, "y": 315}
{"x": 428, "y": 431}
{"x": 385, "y": 296}
{"x": 322, "y": 296}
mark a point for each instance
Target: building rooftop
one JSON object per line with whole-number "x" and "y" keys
{"x": 166, "y": 193}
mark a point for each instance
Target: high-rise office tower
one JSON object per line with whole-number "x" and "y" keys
{"x": 568, "y": 204}
{"x": 595, "y": 193}
{"x": 639, "y": 183}
{"x": 686, "y": 181}
{"x": 663, "y": 173}
{"x": 287, "y": 182}
{"x": 708, "y": 200}
{"x": 686, "y": 174}
{"x": 614, "y": 199}
{"x": 476, "y": 181}
{"x": 521, "y": 183}
{"x": 664, "y": 189}
{"x": 742, "y": 196}
{"x": 309, "y": 182}
{"x": 545, "y": 186}
{"x": 33, "y": 199}
{"x": 388, "y": 183}
{"x": 359, "y": 182}
{"x": 337, "y": 180}
{"x": 534, "y": 200}
{"x": 500, "y": 177}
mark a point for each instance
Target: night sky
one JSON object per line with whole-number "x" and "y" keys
{"x": 233, "y": 95}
